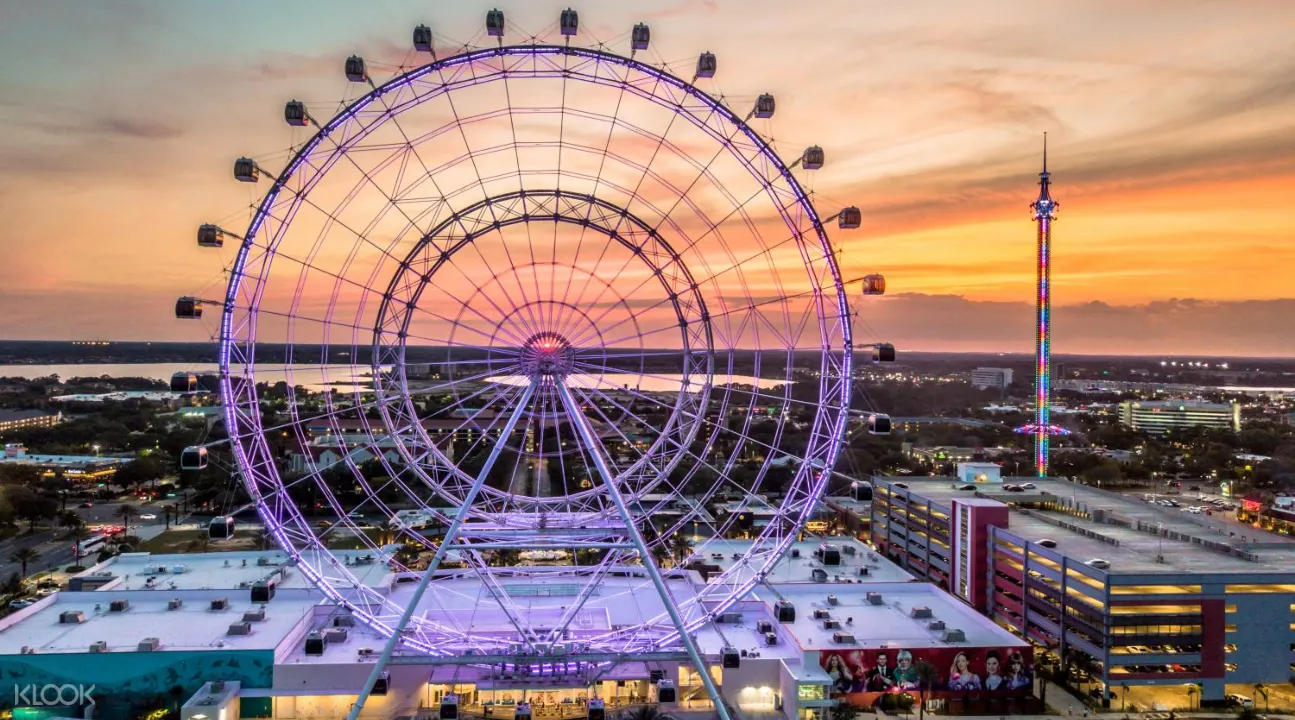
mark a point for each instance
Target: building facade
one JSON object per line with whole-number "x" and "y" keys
{"x": 991, "y": 377}
{"x": 11, "y": 420}
{"x": 1165, "y": 415}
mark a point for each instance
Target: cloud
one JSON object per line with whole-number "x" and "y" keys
{"x": 139, "y": 129}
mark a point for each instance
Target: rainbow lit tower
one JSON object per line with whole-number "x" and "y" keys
{"x": 1044, "y": 212}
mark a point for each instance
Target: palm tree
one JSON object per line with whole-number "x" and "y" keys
{"x": 76, "y": 535}
{"x": 1261, "y": 689}
{"x": 22, "y": 556}
{"x": 69, "y": 519}
{"x": 126, "y": 512}
{"x": 681, "y": 546}
{"x": 927, "y": 676}
{"x": 1191, "y": 693}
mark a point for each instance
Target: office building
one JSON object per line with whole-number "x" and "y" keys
{"x": 1138, "y": 593}
{"x": 11, "y": 420}
{"x": 1164, "y": 415}
{"x": 989, "y": 377}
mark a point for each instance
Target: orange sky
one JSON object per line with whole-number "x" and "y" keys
{"x": 1171, "y": 148}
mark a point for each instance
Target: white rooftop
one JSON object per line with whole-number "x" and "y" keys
{"x": 193, "y": 626}
{"x": 889, "y": 624}
{"x": 218, "y": 570}
{"x": 798, "y": 565}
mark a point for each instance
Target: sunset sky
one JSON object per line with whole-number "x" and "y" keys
{"x": 1171, "y": 132}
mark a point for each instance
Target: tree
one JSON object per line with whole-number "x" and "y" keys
{"x": 23, "y": 556}
{"x": 69, "y": 519}
{"x": 681, "y": 547}
{"x": 31, "y": 506}
{"x": 12, "y": 586}
{"x": 927, "y": 676}
{"x": 126, "y": 511}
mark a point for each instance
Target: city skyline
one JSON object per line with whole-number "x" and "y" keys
{"x": 1168, "y": 142}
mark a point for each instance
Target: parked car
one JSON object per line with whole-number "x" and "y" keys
{"x": 85, "y": 505}
{"x": 1099, "y": 563}
{"x": 20, "y": 604}
{"x": 1240, "y": 701}
{"x": 1030, "y": 486}
{"x": 1045, "y": 542}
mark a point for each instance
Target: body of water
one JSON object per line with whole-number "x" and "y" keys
{"x": 316, "y": 378}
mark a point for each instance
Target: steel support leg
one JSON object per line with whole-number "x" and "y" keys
{"x": 595, "y": 450}
{"x": 443, "y": 548}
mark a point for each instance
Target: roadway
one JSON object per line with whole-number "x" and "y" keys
{"x": 56, "y": 551}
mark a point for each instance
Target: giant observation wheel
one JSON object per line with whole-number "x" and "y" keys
{"x": 554, "y": 323}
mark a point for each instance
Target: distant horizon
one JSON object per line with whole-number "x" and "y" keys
{"x": 1019, "y": 354}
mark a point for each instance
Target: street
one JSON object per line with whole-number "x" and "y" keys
{"x": 56, "y": 552}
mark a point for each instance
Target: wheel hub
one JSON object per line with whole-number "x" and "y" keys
{"x": 546, "y": 356}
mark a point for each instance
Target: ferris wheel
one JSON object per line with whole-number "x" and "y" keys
{"x": 553, "y": 323}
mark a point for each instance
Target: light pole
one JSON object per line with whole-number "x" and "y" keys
{"x": 96, "y": 450}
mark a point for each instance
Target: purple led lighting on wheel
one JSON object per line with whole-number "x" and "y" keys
{"x": 485, "y": 266}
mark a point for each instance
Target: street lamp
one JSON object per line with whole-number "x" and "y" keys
{"x": 96, "y": 450}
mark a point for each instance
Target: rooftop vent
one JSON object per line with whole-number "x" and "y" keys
{"x": 118, "y": 605}
{"x": 71, "y": 617}
{"x": 832, "y": 600}
{"x": 843, "y": 638}
{"x": 874, "y": 598}
{"x": 100, "y": 646}
{"x": 257, "y": 615}
{"x": 920, "y": 612}
{"x": 241, "y": 627}
{"x": 935, "y": 625}
{"x": 174, "y": 604}
{"x": 148, "y": 645}
{"x": 219, "y": 604}
{"x": 954, "y": 636}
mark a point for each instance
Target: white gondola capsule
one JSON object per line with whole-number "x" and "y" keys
{"x": 569, "y": 22}
{"x": 850, "y": 218}
{"x": 874, "y": 285}
{"x": 450, "y": 707}
{"x": 221, "y": 528}
{"x": 764, "y": 106}
{"x": 355, "y": 69}
{"x": 187, "y": 308}
{"x": 879, "y": 424}
{"x": 245, "y": 170}
{"x": 211, "y": 236}
{"x": 639, "y": 37}
{"x": 706, "y": 65}
{"x": 295, "y": 113}
{"x": 883, "y": 353}
{"x": 813, "y": 158}
{"x": 495, "y": 23}
{"x": 423, "y": 38}
{"x": 193, "y": 458}
{"x": 184, "y": 382}
{"x": 597, "y": 709}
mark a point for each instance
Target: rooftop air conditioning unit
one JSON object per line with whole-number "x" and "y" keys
{"x": 843, "y": 638}
{"x": 148, "y": 645}
{"x": 263, "y": 561}
{"x": 764, "y": 626}
{"x": 822, "y": 614}
{"x": 219, "y": 604}
{"x": 118, "y": 605}
{"x": 863, "y": 571}
{"x": 954, "y": 636}
{"x": 344, "y": 621}
{"x": 795, "y": 553}
{"x": 71, "y": 617}
{"x": 365, "y": 652}
{"x": 241, "y": 627}
{"x": 336, "y": 635}
{"x": 786, "y": 612}
{"x": 315, "y": 643}
{"x": 217, "y": 686}
{"x": 848, "y": 549}
{"x": 935, "y": 625}
{"x": 831, "y": 624}
{"x": 257, "y": 615}
{"x": 874, "y": 598}
{"x": 99, "y": 646}
{"x": 920, "y": 612}
{"x": 732, "y": 618}
{"x": 174, "y": 604}
{"x": 832, "y": 600}
{"x": 771, "y": 638}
